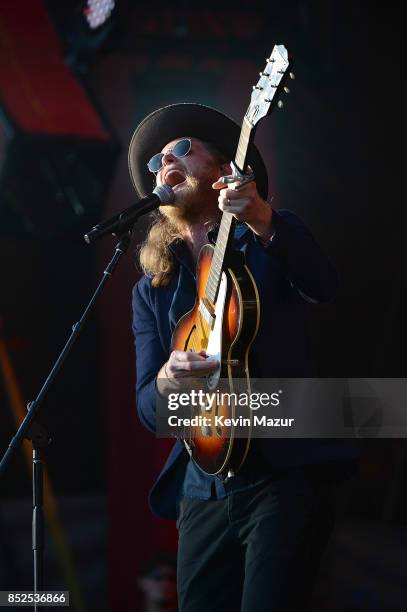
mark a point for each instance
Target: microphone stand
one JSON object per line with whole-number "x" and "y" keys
{"x": 32, "y": 430}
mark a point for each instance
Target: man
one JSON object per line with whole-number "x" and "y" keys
{"x": 254, "y": 541}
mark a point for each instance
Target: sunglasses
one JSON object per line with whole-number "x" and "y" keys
{"x": 181, "y": 149}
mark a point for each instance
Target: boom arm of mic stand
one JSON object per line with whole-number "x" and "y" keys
{"x": 16, "y": 441}
{"x": 26, "y": 427}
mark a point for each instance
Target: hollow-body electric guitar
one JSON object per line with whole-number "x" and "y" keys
{"x": 226, "y": 315}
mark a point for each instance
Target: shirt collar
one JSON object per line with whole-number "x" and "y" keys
{"x": 181, "y": 252}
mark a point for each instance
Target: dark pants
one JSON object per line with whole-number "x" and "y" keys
{"x": 258, "y": 550}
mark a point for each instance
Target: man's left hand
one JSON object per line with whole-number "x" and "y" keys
{"x": 246, "y": 205}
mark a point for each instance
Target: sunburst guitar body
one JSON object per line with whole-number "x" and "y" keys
{"x": 225, "y": 330}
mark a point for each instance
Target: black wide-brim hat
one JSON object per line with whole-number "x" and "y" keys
{"x": 187, "y": 120}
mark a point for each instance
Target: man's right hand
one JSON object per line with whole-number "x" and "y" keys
{"x": 183, "y": 364}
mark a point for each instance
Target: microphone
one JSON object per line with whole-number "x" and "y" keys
{"x": 124, "y": 221}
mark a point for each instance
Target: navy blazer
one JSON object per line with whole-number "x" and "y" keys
{"x": 291, "y": 271}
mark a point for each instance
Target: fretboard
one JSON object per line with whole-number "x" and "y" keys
{"x": 227, "y": 223}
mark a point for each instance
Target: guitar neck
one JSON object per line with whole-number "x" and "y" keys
{"x": 263, "y": 100}
{"x": 228, "y": 221}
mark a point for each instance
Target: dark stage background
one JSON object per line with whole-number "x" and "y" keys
{"x": 70, "y": 98}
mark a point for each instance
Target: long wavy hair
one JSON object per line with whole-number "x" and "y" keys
{"x": 155, "y": 257}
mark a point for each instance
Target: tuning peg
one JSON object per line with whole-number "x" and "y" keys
{"x": 270, "y": 59}
{"x": 292, "y": 75}
{"x": 280, "y": 104}
{"x": 287, "y": 91}
{"x": 257, "y": 87}
{"x": 266, "y": 74}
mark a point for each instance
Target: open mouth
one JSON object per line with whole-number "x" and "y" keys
{"x": 174, "y": 177}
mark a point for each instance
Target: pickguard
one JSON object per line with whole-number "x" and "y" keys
{"x": 215, "y": 337}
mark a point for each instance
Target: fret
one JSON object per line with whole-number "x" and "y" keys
{"x": 219, "y": 256}
{"x": 216, "y": 270}
{"x": 241, "y": 150}
{"x": 212, "y": 278}
{"x": 210, "y": 292}
{"x": 215, "y": 274}
{"x": 213, "y": 281}
{"x": 219, "y": 252}
{"x": 243, "y": 145}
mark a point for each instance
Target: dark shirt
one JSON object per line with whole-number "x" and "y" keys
{"x": 291, "y": 273}
{"x": 199, "y": 485}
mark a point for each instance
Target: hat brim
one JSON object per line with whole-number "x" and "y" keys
{"x": 193, "y": 120}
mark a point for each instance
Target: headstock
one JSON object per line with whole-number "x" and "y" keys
{"x": 271, "y": 83}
